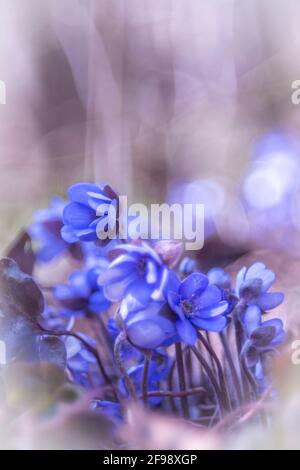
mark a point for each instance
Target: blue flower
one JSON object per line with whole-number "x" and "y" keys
{"x": 81, "y": 362}
{"x": 110, "y": 409}
{"x": 187, "y": 265}
{"x": 87, "y": 214}
{"x": 82, "y": 295}
{"x": 197, "y": 305}
{"x": 128, "y": 351}
{"x": 137, "y": 271}
{"x": 219, "y": 278}
{"x": 45, "y": 232}
{"x": 148, "y": 327}
{"x": 260, "y": 336}
{"x": 158, "y": 371}
{"x": 252, "y": 287}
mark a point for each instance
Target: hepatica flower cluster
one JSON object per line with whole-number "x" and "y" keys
{"x": 128, "y": 324}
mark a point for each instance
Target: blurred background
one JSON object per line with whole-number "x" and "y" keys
{"x": 167, "y": 101}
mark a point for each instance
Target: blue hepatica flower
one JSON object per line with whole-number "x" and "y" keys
{"x": 45, "y": 232}
{"x": 260, "y": 336}
{"x": 148, "y": 327}
{"x": 158, "y": 371}
{"x": 219, "y": 278}
{"x": 137, "y": 271}
{"x": 82, "y": 295}
{"x": 87, "y": 214}
{"x": 197, "y": 305}
{"x": 128, "y": 351}
{"x": 81, "y": 362}
{"x": 252, "y": 287}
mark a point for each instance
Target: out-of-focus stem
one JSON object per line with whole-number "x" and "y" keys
{"x": 90, "y": 348}
{"x": 219, "y": 367}
{"x": 253, "y": 385}
{"x": 239, "y": 336}
{"x": 121, "y": 338}
{"x": 181, "y": 378}
{"x": 206, "y": 367}
{"x": 146, "y": 378}
{"x": 175, "y": 394}
{"x": 233, "y": 371}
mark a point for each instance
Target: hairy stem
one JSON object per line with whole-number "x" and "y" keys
{"x": 121, "y": 338}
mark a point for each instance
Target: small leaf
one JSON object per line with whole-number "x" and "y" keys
{"x": 19, "y": 291}
{"x": 21, "y": 252}
{"x": 21, "y": 303}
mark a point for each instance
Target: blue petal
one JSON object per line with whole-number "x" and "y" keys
{"x": 277, "y": 323}
{"x": 63, "y": 291}
{"x": 68, "y": 233}
{"x": 212, "y": 324}
{"x": 99, "y": 201}
{"x": 267, "y": 277}
{"x": 195, "y": 283}
{"x": 186, "y": 331}
{"x": 48, "y": 252}
{"x": 148, "y": 333}
{"x": 267, "y": 301}
{"x": 218, "y": 277}
{"x": 98, "y": 303}
{"x": 240, "y": 279}
{"x": 117, "y": 290}
{"x": 255, "y": 270}
{"x": 252, "y": 318}
{"x": 117, "y": 271}
{"x": 173, "y": 301}
{"x": 78, "y": 215}
{"x": 123, "y": 262}
{"x": 210, "y": 296}
{"x": 151, "y": 275}
{"x": 140, "y": 290}
{"x": 79, "y": 192}
{"x": 88, "y": 235}
{"x": 172, "y": 283}
{"x": 129, "y": 305}
{"x": 78, "y": 281}
{"x": 213, "y": 310}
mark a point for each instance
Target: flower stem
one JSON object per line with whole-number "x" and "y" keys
{"x": 120, "y": 340}
{"x": 170, "y": 384}
{"x": 253, "y": 385}
{"x": 90, "y": 348}
{"x": 207, "y": 369}
{"x": 234, "y": 373}
{"x": 175, "y": 394}
{"x": 145, "y": 378}
{"x": 181, "y": 377}
{"x": 222, "y": 380}
{"x": 239, "y": 336}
